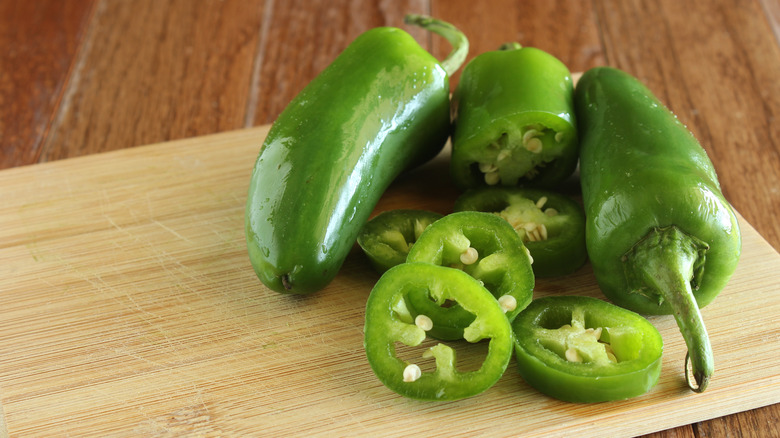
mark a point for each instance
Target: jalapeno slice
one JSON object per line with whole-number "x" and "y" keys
{"x": 582, "y": 349}
{"x": 387, "y": 237}
{"x": 389, "y": 321}
{"x": 551, "y": 225}
{"x": 485, "y": 247}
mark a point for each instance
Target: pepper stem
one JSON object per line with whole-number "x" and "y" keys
{"x": 510, "y": 46}
{"x": 456, "y": 38}
{"x": 664, "y": 261}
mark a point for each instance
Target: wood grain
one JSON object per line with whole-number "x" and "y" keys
{"x": 715, "y": 63}
{"x": 318, "y": 31}
{"x": 38, "y": 44}
{"x": 153, "y": 71}
{"x": 566, "y": 29}
{"x": 130, "y": 308}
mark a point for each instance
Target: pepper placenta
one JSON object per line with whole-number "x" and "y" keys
{"x": 661, "y": 237}
{"x": 582, "y": 349}
{"x": 386, "y": 238}
{"x": 515, "y": 120}
{"x": 551, "y": 225}
{"x": 380, "y": 108}
{"x": 485, "y": 247}
{"x": 389, "y": 323}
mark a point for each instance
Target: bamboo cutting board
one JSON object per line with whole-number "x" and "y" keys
{"x": 128, "y": 307}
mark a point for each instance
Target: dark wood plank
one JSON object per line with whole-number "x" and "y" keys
{"x": 154, "y": 71}
{"x": 566, "y": 29}
{"x": 301, "y": 37}
{"x": 756, "y": 423}
{"x": 38, "y": 43}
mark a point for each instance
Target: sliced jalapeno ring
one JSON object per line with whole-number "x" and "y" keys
{"x": 551, "y": 225}
{"x": 387, "y": 237}
{"x": 582, "y": 349}
{"x": 485, "y": 247}
{"x": 388, "y": 321}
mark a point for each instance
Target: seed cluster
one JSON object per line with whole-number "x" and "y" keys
{"x": 532, "y": 231}
{"x": 532, "y": 142}
{"x": 573, "y": 355}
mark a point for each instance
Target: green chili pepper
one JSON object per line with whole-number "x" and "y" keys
{"x": 386, "y": 238}
{"x": 661, "y": 237}
{"x": 584, "y": 350}
{"x": 381, "y": 107}
{"x": 515, "y": 121}
{"x": 388, "y": 323}
{"x": 485, "y": 247}
{"x": 551, "y": 225}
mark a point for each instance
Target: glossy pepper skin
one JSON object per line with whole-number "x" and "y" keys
{"x": 389, "y": 323}
{"x": 551, "y": 225}
{"x": 485, "y": 247}
{"x": 515, "y": 122}
{"x": 661, "y": 237}
{"x": 387, "y": 238}
{"x": 585, "y": 350}
{"x": 381, "y": 107}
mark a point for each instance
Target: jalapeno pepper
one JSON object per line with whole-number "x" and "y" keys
{"x": 386, "y": 238}
{"x": 551, "y": 225}
{"x": 661, "y": 237}
{"x": 582, "y": 349}
{"x": 515, "y": 120}
{"x": 485, "y": 247}
{"x": 388, "y": 321}
{"x": 381, "y": 107}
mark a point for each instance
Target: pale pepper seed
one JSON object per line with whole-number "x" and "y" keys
{"x": 469, "y": 256}
{"x": 412, "y": 372}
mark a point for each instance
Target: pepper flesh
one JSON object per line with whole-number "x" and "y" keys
{"x": 515, "y": 121}
{"x": 582, "y": 349}
{"x": 388, "y": 321}
{"x": 381, "y": 107}
{"x": 661, "y": 237}
{"x": 487, "y": 248}
{"x": 387, "y": 238}
{"x": 551, "y": 225}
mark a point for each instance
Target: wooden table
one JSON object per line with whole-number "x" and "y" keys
{"x": 85, "y": 77}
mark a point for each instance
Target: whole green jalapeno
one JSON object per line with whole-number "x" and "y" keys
{"x": 661, "y": 237}
{"x": 381, "y": 107}
{"x": 515, "y": 121}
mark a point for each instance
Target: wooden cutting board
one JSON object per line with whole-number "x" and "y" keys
{"x": 128, "y": 307}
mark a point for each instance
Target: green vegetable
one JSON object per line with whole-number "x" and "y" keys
{"x": 389, "y": 323}
{"x": 551, "y": 225}
{"x": 582, "y": 349}
{"x": 386, "y": 239}
{"x": 661, "y": 237}
{"x": 381, "y": 107}
{"x": 515, "y": 121}
{"x": 485, "y": 247}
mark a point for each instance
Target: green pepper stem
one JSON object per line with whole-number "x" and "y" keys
{"x": 456, "y": 38}
{"x": 664, "y": 260}
{"x": 510, "y": 46}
